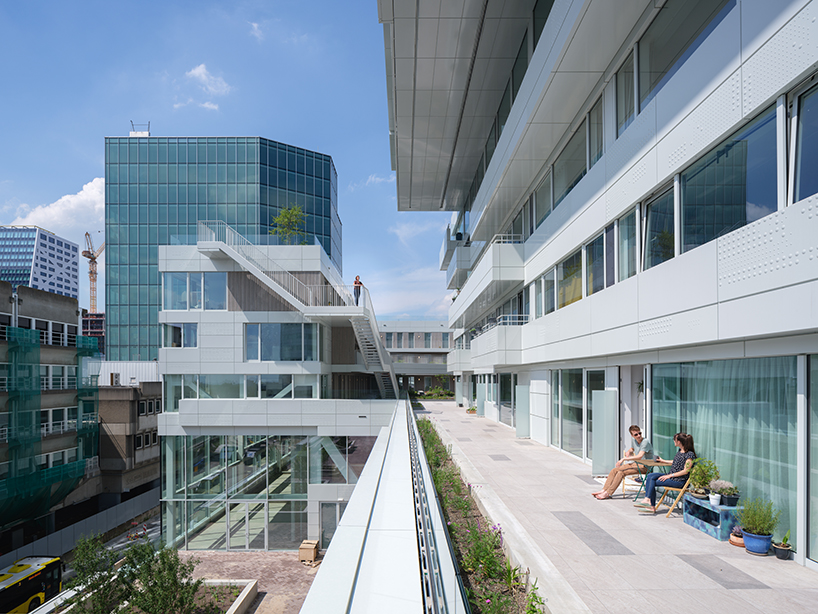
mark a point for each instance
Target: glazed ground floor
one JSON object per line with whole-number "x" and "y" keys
{"x": 755, "y": 416}
{"x": 257, "y": 491}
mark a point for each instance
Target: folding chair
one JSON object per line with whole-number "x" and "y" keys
{"x": 668, "y": 489}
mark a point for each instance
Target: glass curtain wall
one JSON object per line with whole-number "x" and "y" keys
{"x": 659, "y": 232}
{"x": 742, "y": 415}
{"x": 806, "y": 155}
{"x": 627, "y": 246}
{"x": 249, "y": 491}
{"x": 555, "y": 408}
{"x": 624, "y": 96}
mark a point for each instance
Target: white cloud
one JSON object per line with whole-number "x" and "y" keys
{"x": 256, "y": 31}
{"x": 178, "y": 105}
{"x": 209, "y": 105}
{"x": 215, "y": 86}
{"x": 373, "y": 179}
{"x": 409, "y": 290}
{"x": 408, "y": 231}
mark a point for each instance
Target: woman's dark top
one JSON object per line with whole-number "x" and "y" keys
{"x": 680, "y": 459}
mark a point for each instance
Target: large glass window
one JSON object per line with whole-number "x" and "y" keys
{"x": 175, "y": 291}
{"x": 627, "y": 246}
{"x": 549, "y": 291}
{"x": 742, "y": 415}
{"x": 541, "y": 11}
{"x": 731, "y": 186}
{"x": 569, "y": 273}
{"x": 538, "y": 298}
{"x": 520, "y": 66}
{"x": 594, "y": 265}
{"x": 542, "y": 199}
{"x": 181, "y": 335}
{"x": 595, "y": 380}
{"x": 195, "y": 290}
{"x": 215, "y": 290}
{"x": 220, "y": 386}
{"x": 595, "y": 132}
{"x": 659, "y": 234}
{"x": 667, "y": 40}
{"x": 624, "y": 96}
{"x": 277, "y": 386}
{"x": 570, "y": 167}
{"x": 173, "y": 392}
{"x": 282, "y": 341}
{"x": 806, "y": 154}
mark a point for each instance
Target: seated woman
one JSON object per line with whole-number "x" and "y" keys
{"x": 679, "y": 469}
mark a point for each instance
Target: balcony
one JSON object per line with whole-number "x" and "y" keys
{"x": 500, "y": 270}
{"x": 458, "y": 361}
{"x": 499, "y": 343}
{"x": 447, "y": 249}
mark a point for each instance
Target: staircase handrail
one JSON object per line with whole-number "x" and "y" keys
{"x": 216, "y": 230}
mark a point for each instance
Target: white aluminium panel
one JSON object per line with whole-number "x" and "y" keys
{"x": 761, "y": 19}
{"x": 684, "y": 328}
{"x": 781, "y": 59}
{"x": 639, "y": 180}
{"x": 686, "y": 282}
{"x": 632, "y": 144}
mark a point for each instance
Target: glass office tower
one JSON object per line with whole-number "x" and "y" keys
{"x": 31, "y": 256}
{"x": 158, "y": 188}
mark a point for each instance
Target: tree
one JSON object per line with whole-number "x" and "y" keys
{"x": 99, "y": 590}
{"x": 165, "y": 584}
{"x": 289, "y": 224}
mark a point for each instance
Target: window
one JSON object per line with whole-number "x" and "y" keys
{"x": 389, "y": 340}
{"x": 283, "y": 341}
{"x": 504, "y": 110}
{"x": 624, "y": 96}
{"x": 731, "y": 186}
{"x": 251, "y": 342}
{"x": 150, "y": 407}
{"x": 196, "y": 291}
{"x": 659, "y": 234}
{"x": 427, "y": 340}
{"x": 806, "y": 153}
{"x": 538, "y": 298}
{"x": 542, "y": 200}
{"x": 541, "y": 11}
{"x": 569, "y": 167}
{"x": 142, "y": 408}
{"x": 138, "y": 442}
{"x": 595, "y": 133}
{"x": 627, "y": 246}
{"x": 410, "y": 338}
{"x": 445, "y": 340}
{"x": 520, "y": 66}
{"x": 220, "y": 386}
{"x": 215, "y": 291}
{"x": 175, "y": 291}
{"x": 667, "y": 40}
{"x": 569, "y": 274}
{"x": 154, "y": 438}
{"x": 594, "y": 265}
{"x": 549, "y": 291}
{"x": 276, "y": 386}
{"x": 181, "y": 335}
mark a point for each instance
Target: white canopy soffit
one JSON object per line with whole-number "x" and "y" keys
{"x": 447, "y": 65}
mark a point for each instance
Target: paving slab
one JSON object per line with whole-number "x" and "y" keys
{"x": 604, "y": 556}
{"x": 283, "y": 582}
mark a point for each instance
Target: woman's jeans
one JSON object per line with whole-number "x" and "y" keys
{"x": 652, "y": 479}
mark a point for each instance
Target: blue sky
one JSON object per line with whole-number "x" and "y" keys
{"x": 305, "y": 73}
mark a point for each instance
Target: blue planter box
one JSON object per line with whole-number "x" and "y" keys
{"x": 715, "y": 520}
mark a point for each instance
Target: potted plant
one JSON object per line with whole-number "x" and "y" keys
{"x": 727, "y": 491}
{"x": 704, "y": 471}
{"x": 783, "y": 549}
{"x": 736, "y": 536}
{"x": 758, "y": 520}
{"x": 471, "y": 410}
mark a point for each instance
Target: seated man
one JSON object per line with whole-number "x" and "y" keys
{"x": 640, "y": 448}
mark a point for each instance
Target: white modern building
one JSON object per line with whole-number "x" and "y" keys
{"x": 418, "y": 349}
{"x": 276, "y": 387}
{"x": 634, "y": 205}
{"x": 31, "y": 256}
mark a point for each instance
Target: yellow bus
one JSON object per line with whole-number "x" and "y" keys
{"x": 29, "y": 583}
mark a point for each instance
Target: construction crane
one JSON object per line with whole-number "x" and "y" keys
{"x": 92, "y": 267}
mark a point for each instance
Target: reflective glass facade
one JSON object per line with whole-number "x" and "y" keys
{"x": 156, "y": 191}
{"x": 32, "y": 257}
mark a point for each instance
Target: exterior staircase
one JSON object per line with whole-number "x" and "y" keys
{"x": 217, "y": 237}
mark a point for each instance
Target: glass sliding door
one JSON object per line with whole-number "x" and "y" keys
{"x": 555, "y": 408}
{"x": 571, "y": 411}
{"x": 594, "y": 380}
{"x": 506, "y": 405}
{"x": 742, "y": 415}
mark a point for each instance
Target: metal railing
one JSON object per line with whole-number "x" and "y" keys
{"x": 328, "y": 295}
{"x": 503, "y": 239}
{"x": 504, "y": 320}
{"x": 220, "y": 231}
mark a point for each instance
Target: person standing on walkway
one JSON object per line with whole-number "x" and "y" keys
{"x": 358, "y": 284}
{"x": 679, "y": 470}
{"x": 640, "y": 448}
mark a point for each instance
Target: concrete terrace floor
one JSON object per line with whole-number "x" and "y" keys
{"x": 283, "y": 582}
{"x": 605, "y": 556}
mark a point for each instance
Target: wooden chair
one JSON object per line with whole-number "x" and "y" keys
{"x": 668, "y": 489}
